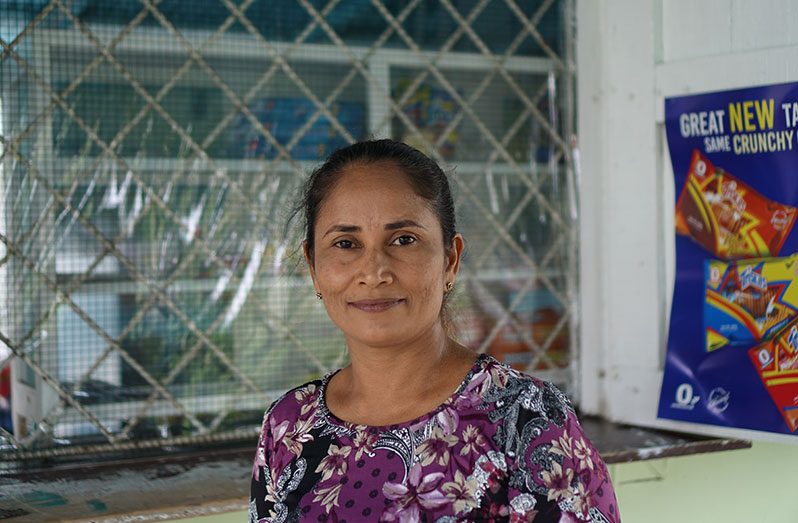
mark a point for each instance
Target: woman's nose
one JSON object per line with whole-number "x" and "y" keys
{"x": 375, "y": 269}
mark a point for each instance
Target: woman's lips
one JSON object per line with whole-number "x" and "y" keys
{"x": 375, "y": 305}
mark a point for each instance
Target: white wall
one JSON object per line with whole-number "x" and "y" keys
{"x": 630, "y": 55}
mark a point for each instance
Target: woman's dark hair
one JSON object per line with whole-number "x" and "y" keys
{"x": 425, "y": 176}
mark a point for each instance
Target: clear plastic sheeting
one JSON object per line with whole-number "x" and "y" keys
{"x": 151, "y": 154}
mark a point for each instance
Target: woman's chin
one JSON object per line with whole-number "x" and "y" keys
{"x": 376, "y": 338}
{"x": 391, "y": 334}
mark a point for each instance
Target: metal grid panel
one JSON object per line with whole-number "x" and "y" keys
{"x": 154, "y": 292}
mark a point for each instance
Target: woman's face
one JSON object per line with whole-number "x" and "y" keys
{"x": 379, "y": 260}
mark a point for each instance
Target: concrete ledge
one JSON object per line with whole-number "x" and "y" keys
{"x": 180, "y": 483}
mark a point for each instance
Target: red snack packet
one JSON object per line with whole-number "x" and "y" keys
{"x": 727, "y": 217}
{"x": 776, "y": 362}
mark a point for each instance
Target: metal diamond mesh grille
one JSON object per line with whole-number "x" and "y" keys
{"x": 151, "y": 152}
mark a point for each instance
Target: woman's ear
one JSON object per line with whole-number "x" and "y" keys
{"x": 453, "y": 256}
{"x": 309, "y": 260}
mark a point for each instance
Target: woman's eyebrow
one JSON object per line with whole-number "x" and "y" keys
{"x": 401, "y": 224}
{"x": 342, "y": 228}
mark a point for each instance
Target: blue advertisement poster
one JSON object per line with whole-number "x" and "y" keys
{"x": 732, "y": 352}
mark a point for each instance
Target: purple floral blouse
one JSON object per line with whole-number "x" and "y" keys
{"x": 505, "y": 447}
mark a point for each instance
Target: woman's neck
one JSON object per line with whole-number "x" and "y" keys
{"x": 388, "y": 385}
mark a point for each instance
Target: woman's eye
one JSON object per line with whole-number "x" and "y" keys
{"x": 344, "y": 244}
{"x": 405, "y": 239}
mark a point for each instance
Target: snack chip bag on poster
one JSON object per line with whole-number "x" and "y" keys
{"x": 727, "y": 217}
{"x": 747, "y": 301}
{"x": 776, "y": 362}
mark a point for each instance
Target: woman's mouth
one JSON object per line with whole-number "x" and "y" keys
{"x": 376, "y": 305}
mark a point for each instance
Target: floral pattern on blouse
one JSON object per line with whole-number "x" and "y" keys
{"x": 504, "y": 447}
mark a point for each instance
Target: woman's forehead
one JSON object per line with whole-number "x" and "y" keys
{"x": 362, "y": 184}
{"x": 375, "y": 194}
{"x": 370, "y": 174}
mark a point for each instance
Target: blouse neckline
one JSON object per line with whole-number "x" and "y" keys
{"x": 328, "y": 417}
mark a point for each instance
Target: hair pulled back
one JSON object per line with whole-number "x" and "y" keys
{"x": 425, "y": 176}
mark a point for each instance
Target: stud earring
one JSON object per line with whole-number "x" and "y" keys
{"x": 318, "y": 295}
{"x": 449, "y": 286}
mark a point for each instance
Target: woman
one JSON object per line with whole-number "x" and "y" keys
{"x": 386, "y": 439}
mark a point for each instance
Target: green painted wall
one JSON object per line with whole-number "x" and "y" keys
{"x": 738, "y": 486}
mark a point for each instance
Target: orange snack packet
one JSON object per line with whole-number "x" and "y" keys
{"x": 727, "y": 217}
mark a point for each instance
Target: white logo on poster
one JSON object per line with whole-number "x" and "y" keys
{"x": 718, "y": 400}
{"x": 685, "y": 399}
{"x": 765, "y": 357}
{"x": 700, "y": 168}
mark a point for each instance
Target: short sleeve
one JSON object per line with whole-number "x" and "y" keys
{"x": 260, "y": 474}
{"x": 286, "y": 426}
{"x": 559, "y": 475}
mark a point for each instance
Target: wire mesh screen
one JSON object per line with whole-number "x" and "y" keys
{"x": 151, "y": 151}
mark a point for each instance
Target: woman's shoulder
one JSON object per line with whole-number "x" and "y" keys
{"x": 527, "y": 410}
{"x": 512, "y": 388}
{"x": 552, "y": 456}
{"x": 297, "y": 402}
